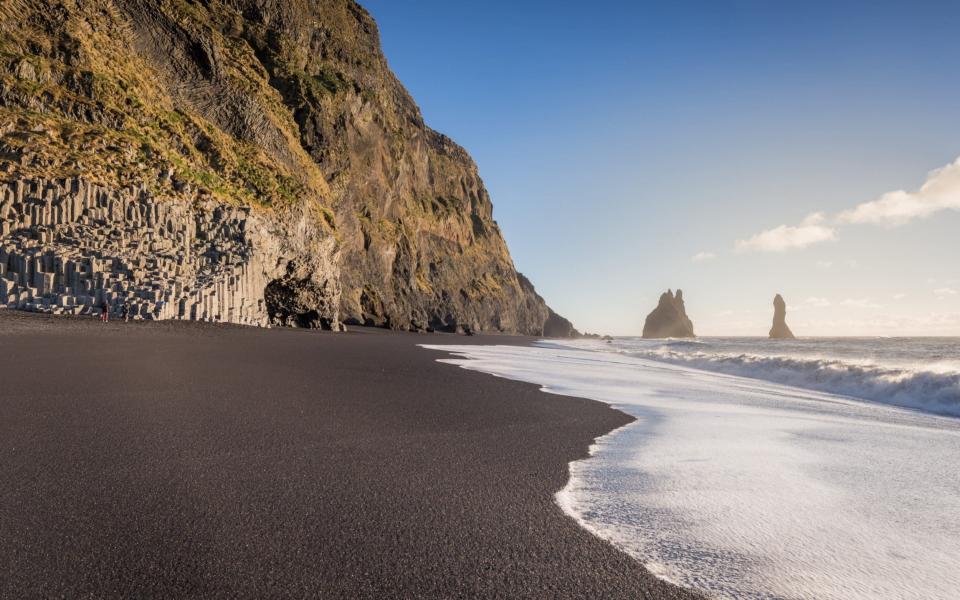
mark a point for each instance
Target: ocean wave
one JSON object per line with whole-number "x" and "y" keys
{"x": 935, "y": 389}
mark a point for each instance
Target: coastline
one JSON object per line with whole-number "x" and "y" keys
{"x": 177, "y": 459}
{"x": 720, "y": 482}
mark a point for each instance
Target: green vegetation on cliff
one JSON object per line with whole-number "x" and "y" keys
{"x": 276, "y": 104}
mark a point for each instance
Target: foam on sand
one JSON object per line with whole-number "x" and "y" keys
{"x": 749, "y": 489}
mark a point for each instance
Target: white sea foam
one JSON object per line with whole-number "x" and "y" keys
{"x": 750, "y": 489}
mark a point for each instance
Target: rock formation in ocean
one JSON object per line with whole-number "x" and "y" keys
{"x": 669, "y": 318}
{"x": 249, "y": 161}
{"x": 780, "y": 330}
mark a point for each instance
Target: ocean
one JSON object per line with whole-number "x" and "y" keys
{"x": 815, "y": 468}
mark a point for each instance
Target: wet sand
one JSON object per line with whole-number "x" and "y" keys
{"x": 188, "y": 460}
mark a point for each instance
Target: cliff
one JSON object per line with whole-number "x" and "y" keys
{"x": 669, "y": 319}
{"x": 281, "y": 151}
{"x": 780, "y": 330}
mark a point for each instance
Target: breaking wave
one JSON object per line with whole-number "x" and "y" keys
{"x": 934, "y": 388}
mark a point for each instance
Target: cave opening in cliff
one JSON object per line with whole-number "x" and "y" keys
{"x": 288, "y": 305}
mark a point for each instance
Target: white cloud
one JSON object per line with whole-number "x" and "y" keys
{"x": 785, "y": 237}
{"x": 849, "y": 263}
{"x": 816, "y": 302}
{"x": 703, "y": 256}
{"x": 945, "y": 292}
{"x": 860, "y": 303}
{"x": 900, "y": 296}
{"x": 941, "y": 191}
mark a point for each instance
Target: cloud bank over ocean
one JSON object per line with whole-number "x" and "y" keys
{"x": 940, "y": 192}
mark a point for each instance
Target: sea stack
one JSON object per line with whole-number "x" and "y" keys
{"x": 780, "y": 331}
{"x": 669, "y": 318}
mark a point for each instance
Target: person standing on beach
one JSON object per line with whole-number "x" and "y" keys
{"x": 105, "y": 313}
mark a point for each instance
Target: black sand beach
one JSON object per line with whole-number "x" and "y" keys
{"x": 185, "y": 460}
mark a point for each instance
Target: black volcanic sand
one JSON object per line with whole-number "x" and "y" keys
{"x": 172, "y": 460}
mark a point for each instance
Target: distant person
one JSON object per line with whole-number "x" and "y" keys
{"x": 104, "y": 313}
{"x": 125, "y": 312}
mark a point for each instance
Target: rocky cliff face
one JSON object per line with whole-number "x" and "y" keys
{"x": 669, "y": 319}
{"x": 282, "y": 114}
{"x": 780, "y": 330}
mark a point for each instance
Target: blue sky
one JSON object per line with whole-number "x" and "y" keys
{"x": 619, "y": 142}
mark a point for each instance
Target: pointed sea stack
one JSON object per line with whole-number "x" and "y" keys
{"x": 780, "y": 331}
{"x": 669, "y": 318}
